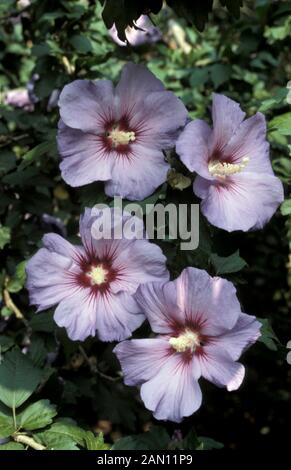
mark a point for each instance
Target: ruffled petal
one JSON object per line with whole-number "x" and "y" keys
{"x": 218, "y": 367}
{"x": 209, "y": 301}
{"x": 139, "y": 175}
{"x": 250, "y": 142}
{"x": 173, "y": 392}
{"x": 226, "y": 116}
{"x": 85, "y": 104}
{"x": 244, "y": 334}
{"x": 158, "y": 301}
{"x": 84, "y": 159}
{"x": 135, "y": 83}
{"x": 139, "y": 263}
{"x": 117, "y": 316}
{"x": 47, "y": 280}
{"x": 77, "y": 313}
{"x": 193, "y": 147}
{"x": 158, "y": 119}
{"x": 243, "y": 202}
{"x": 141, "y": 359}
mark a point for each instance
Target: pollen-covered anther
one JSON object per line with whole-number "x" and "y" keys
{"x": 188, "y": 340}
{"x": 118, "y": 137}
{"x": 98, "y": 275}
{"x": 223, "y": 169}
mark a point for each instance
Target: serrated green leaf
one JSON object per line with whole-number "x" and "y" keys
{"x": 61, "y": 436}
{"x": 95, "y": 442}
{"x": 18, "y": 379}
{"x": 6, "y": 424}
{"x": 36, "y": 416}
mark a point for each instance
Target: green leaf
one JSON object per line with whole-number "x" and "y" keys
{"x": 286, "y": 207}
{"x": 7, "y": 161}
{"x": 268, "y": 337}
{"x": 18, "y": 379}
{"x": 220, "y": 73}
{"x": 43, "y": 322}
{"x": 95, "y": 442}
{"x": 81, "y": 43}
{"x": 5, "y": 235}
{"x": 35, "y": 153}
{"x": 36, "y": 416}
{"x": 6, "y": 424}
{"x": 155, "y": 439}
{"x": 62, "y": 435}
{"x": 5, "y": 343}
{"x": 228, "y": 264}
{"x": 206, "y": 443}
{"x": 16, "y": 283}
{"x": 282, "y": 123}
{"x": 12, "y": 446}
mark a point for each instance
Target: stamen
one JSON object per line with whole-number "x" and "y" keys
{"x": 119, "y": 137}
{"x": 189, "y": 340}
{"x": 224, "y": 169}
{"x": 98, "y": 275}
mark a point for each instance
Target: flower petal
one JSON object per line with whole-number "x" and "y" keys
{"x": 117, "y": 316}
{"x": 245, "y": 201}
{"x": 55, "y": 243}
{"x": 141, "y": 359}
{"x": 211, "y": 301}
{"x": 173, "y": 392}
{"x": 244, "y": 334}
{"x": 135, "y": 83}
{"x": 140, "y": 262}
{"x": 226, "y": 116}
{"x": 192, "y": 147}
{"x": 159, "y": 119}
{"x": 84, "y": 159}
{"x": 46, "y": 278}
{"x": 77, "y": 313}
{"x": 158, "y": 301}
{"x": 250, "y": 141}
{"x": 84, "y": 104}
{"x": 218, "y": 367}
{"x": 137, "y": 176}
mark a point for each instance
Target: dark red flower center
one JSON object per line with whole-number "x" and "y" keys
{"x": 96, "y": 274}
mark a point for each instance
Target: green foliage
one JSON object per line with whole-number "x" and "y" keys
{"x": 18, "y": 379}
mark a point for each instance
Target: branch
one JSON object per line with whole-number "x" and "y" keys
{"x": 28, "y": 441}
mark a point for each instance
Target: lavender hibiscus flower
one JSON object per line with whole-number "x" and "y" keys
{"x": 235, "y": 178}
{"x": 118, "y": 135}
{"x": 145, "y": 33}
{"x": 201, "y": 333}
{"x": 93, "y": 284}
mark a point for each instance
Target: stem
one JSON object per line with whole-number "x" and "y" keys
{"x": 14, "y": 417}
{"x": 11, "y": 305}
{"x": 94, "y": 369}
{"x": 28, "y": 441}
